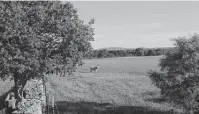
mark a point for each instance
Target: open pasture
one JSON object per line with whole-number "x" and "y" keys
{"x": 119, "y": 87}
{"x": 131, "y": 65}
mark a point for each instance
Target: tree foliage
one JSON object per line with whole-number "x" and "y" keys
{"x": 105, "y": 53}
{"x": 179, "y": 75}
{"x": 38, "y": 38}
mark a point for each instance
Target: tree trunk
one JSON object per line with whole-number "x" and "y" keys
{"x": 18, "y": 89}
{"x": 19, "y": 86}
{"x": 191, "y": 112}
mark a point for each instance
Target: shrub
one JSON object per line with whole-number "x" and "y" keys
{"x": 178, "y": 78}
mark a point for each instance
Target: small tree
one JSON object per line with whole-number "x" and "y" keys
{"x": 150, "y": 52}
{"x": 38, "y": 38}
{"x": 139, "y": 51}
{"x": 179, "y": 76}
{"x": 158, "y": 52}
{"x": 102, "y": 53}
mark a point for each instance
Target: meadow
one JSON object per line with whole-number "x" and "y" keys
{"x": 121, "y": 86}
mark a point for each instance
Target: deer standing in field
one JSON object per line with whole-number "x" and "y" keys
{"x": 96, "y": 68}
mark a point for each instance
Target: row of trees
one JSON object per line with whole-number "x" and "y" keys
{"x": 104, "y": 53}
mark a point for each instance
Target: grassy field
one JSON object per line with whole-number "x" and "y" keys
{"x": 119, "y": 87}
{"x": 130, "y": 65}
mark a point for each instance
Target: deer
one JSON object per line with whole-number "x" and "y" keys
{"x": 96, "y": 68}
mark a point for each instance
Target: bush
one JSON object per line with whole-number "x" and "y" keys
{"x": 178, "y": 78}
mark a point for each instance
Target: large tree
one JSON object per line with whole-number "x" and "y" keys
{"x": 179, "y": 75}
{"x": 38, "y": 38}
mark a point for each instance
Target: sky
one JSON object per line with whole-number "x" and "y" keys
{"x": 133, "y": 24}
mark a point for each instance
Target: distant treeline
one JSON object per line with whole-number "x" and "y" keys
{"x": 105, "y": 53}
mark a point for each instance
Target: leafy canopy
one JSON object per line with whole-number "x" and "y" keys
{"x": 38, "y": 38}
{"x": 179, "y": 76}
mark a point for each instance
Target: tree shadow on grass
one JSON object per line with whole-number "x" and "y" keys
{"x": 157, "y": 100}
{"x": 3, "y": 97}
{"x": 65, "y": 107}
